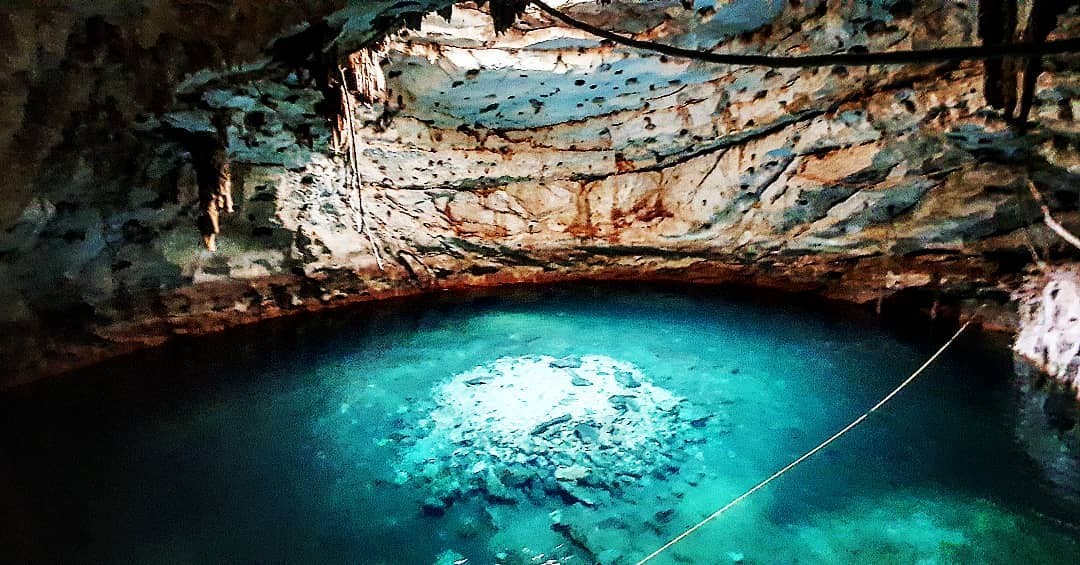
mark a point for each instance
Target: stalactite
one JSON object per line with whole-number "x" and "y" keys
{"x": 997, "y": 26}
{"x": 413, "y": 20}
{"x": 1041, "y": 21}
{"x": 214, "y": 175}
{"x": 369, "y": 82}
{"x": 1009, "y": 84}
{"x": 505, "y": 12}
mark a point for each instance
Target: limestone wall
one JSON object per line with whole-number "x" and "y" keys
{"x": 540, "y": 155}
{"x": 1049, "y": 333}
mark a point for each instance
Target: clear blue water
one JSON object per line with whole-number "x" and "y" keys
{"x": 277, "y": 443}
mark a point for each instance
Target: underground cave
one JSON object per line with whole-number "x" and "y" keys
{"x": 540, "y": 282}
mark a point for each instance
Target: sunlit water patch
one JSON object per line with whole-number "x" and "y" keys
{"x": 576, "y": 424}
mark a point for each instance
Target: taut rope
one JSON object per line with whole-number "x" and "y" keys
{"x": 810, "y": 453}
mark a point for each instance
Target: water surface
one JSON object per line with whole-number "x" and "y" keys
{"x": 282, "y": 443}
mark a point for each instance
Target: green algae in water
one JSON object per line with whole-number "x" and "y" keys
{"x": 298, "y": 442}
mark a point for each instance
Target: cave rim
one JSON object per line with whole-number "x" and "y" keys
{"x": 902, "y": 317}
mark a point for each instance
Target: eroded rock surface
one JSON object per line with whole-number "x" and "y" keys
{"x": 541, "y": 154}
{"x": 1050, "y": 324}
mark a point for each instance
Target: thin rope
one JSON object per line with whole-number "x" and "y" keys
{"x": 899, "y": 57}
{"x": 810, "y": 453}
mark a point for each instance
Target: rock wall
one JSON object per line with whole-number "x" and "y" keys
{"x": 1049, "y": 333}
{"x": 541, "y": 154}
{"x": 74, "y": 72}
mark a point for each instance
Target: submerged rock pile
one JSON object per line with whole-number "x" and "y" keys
{"x": 536, "y": 427}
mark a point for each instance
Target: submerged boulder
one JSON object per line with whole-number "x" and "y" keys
{"x": 520, "y": 428}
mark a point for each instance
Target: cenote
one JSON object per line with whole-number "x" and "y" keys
{"x": 332, "y": 439}
{"x": 539, "y": 282}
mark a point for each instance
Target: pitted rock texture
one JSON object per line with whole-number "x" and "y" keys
{"x": 542, "y": 154}
{"x": 1050, "y": 324}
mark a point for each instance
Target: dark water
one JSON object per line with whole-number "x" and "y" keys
{"x": 274, "y": 444}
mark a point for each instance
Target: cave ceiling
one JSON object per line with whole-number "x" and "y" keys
{"x": 176, "y": 166}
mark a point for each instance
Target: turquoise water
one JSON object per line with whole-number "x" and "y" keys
{"x": 286, "y": 442}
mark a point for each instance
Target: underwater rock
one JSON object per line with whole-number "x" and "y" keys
{"x": 517, "y": 474}
{"x": 544, "y": 426}
{"x": 586, "y": 433}
{"x": 469, "y": 528}
{"x": 522, "y": 429}
{"x": 575, "y": 535}
{"x": 609, "y": 557}
{"x": 566, "y": 363}
{"x": 450, "y": 557}
{"x": 434, "y": 506}
{"x": 574, "y": 493}
{"x": 626, "y": 379}
{"x": 573, "y": 473}
{"x": 669, "y": 405}
{"x": 495, "y": 490}
{"x": 664, "y": 516}
{"x": 623, "y": 402}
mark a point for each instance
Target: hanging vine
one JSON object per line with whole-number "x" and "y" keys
{"x": 345, "y": 142}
